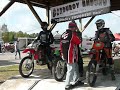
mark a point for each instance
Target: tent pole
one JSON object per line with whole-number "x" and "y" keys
{"x": 33, "y": 11}
{"x": 7, "y": 7}
{"x": 88, "y": 23}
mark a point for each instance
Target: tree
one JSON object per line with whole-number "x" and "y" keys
{"x": 20, "y": 34}
{"x": 5, "y": 36}
{"x": 11, "y": 36}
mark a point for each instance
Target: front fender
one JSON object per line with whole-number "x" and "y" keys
{"x": 29, "y": 50}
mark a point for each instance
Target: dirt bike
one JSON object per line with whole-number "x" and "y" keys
{"x": 59, "y": 68}
{"x": 10, "y": 48}
{"x": 26, "y": 65}
{"x": 94, "y": 68}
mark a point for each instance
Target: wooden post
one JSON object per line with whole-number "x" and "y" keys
{"x": 6, "y": 7}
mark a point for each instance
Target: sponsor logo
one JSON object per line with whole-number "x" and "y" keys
{"x": 66, "y": 8}
{"x": 94, "y": 3}
{"x": 65, "y": 35}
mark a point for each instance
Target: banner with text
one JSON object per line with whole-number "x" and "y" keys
{"x": 79, "y": 9}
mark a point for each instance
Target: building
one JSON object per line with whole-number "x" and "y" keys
{"x": 56, "y": 42}
{"x": 24, "y": 42}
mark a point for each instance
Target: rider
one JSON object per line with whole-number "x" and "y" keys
{"x": 105, "y": 35}
{"x": 69, "y": 51}
{"x": 46, "y": 38}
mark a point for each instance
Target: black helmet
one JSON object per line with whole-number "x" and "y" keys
{"x": 44, "y": 23}
{"x": 100, "y": 23}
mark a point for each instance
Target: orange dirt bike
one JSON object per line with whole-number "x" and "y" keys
{"x": 26, "y": 65}
{"x": 94, "y": 68}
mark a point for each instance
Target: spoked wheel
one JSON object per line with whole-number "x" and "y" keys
{"x": 59, "y": 69}
{"x": 91, "y": 73}
{"x": 26, "y": 67}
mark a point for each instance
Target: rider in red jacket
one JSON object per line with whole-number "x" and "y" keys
{"x": 68, "y": 44}
{"x": 69, "y": 50}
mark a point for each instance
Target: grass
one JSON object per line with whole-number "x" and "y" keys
{"x": 116, "y": 64}
{"x": 7, "y": 72}
{"x": 10, "y": 71}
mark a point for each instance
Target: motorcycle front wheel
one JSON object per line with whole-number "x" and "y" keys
{"x": 91, "y": 73}
{"x": 26, "y": 67}
{"x": 59, "y": 69}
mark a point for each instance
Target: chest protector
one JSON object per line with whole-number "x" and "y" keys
{"x": 45, "y": 37}
{"x": 103, "y": 35}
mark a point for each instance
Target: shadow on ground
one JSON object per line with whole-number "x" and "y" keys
{"x": 37, "y": 74}
{"x": 5, "y": 62}
{"x": 42, "y": 78}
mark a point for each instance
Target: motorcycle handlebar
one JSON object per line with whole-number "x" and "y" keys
{"x": 35, "y": 44}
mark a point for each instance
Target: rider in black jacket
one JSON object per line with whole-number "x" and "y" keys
{"x": 46, "y": 38}
{"x": 105, "y": 35}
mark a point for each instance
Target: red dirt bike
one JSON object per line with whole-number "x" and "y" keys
{"x": 26, "y": 65}
{"x": 94, "y": 68}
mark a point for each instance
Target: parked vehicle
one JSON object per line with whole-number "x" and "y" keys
{"x": 10, "y": 47}
{"x": 94, "y": 68}
{"x": 26, "y": 65}
{"x": 116, "y": 51}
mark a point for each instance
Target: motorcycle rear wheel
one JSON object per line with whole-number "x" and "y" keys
{"x": 26, "y": 67}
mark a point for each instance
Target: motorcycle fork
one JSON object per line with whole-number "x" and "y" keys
{"x": 98, "y": 65}
{"x": 32, "y": 58}
{"x": 97, "y": 69}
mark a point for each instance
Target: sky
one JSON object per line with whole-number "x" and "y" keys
{"x": 19, "y": 18}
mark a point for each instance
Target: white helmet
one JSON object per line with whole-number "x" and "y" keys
{"x": 100, "y": 23}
